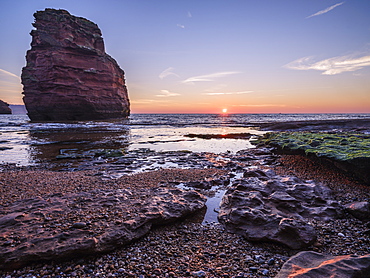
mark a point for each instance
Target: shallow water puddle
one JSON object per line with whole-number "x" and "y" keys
{"x": 213, "y": 206}
{"x": 214, "y": 199}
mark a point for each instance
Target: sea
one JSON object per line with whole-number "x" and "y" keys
{"x": 26, "y": 143}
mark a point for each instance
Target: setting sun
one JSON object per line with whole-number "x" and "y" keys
{"x": 224, "y": 110}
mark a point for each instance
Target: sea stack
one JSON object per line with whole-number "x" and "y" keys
{"x": 68, "y": 75}
{"x": 4, "y": 108}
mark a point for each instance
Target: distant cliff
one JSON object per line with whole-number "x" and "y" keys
{"x": 4, "y": 108}
{"x": 68, "y": 75}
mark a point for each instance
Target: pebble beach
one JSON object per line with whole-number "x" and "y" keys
{"x": 195, "y": 246}
{"x": 189, "y": 247}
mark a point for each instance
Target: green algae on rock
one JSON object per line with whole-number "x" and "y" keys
{"x": 339, "y": 146}
{"x": 348, "y": 151}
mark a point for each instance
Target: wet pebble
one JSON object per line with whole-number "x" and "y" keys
{"x": 79, "y": 225}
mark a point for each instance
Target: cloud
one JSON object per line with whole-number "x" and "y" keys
{"x": 9, "y": 84}
{"x": 260, "y": 105}
{"x": 147, "y": 101}
{"x": 181, "y": 26}
{"x": 167, "y": 72}
{"x": 189, "y": 14}
{"x": 9, "y": 73}
{"x": 10, "y": 87}
{"x": 228, "y": 93}
{"x": 166, "y": 93}
{"x": 326, "y": 10}
{"x": 331, "y": 66}
{"x": 217, "y": 88}
{"x": 209, "y": 77}
{"x": 216, "y": 94}
{"x": 142, "y": 101}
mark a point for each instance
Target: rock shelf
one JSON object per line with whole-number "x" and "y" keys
{"x": 61, "y": 226}
{"x": 349, "y": 152}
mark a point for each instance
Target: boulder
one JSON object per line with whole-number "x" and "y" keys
{"x": 360, "y": 210}
{"x": 68, "y": 75}
{"x": 4, "y": 108}
{"x": 309, "y": 264}
{"x": 63, "y": 226}
{"x": 268, "y": 207}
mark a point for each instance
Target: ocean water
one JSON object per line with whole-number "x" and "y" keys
{"x": 25, "y": 143}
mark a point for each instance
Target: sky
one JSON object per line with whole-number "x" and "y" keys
{"x": 203, "y": 56}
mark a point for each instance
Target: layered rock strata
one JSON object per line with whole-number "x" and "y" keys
{"x": 62, "y": 226}
{"x": 4, "y": 108}
{"x": 68, "y": 75}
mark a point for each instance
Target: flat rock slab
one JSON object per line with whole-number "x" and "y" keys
{"x": 310, "y": 264}
{"x": 62, "y": 226}
{"x": 267, "y": 207}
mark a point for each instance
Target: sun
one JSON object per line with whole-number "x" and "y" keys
{"x": 224, "y": 110}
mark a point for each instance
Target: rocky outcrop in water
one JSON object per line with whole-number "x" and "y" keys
{"x": 62, "y": 226}
{"x": 267, "y": 207}
{"x": 311, "y": 264}
{"x": 68, "y": 75}
{"x": 4, "y": 108}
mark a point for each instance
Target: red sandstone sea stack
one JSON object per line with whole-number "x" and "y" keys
{"x": 68, "y": 75}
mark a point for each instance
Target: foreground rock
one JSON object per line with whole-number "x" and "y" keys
{"x": 4, "y": 108}
{"x": 267, "y": 207}
{"x": 360, "y": 210}
{"x": 311, "y": 264}
{"x": 68, "y": 75}
{"x": 64, "y": 226}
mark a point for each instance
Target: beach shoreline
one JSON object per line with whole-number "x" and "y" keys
{"x": 191, "y": 247}
{"x": 188, "y": 247}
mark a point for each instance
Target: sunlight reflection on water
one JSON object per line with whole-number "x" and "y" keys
{"x": 26, "y": 143}
{"x": 170, "y": 139}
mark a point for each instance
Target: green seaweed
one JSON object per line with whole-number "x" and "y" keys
{"x": 338, "y": 146}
